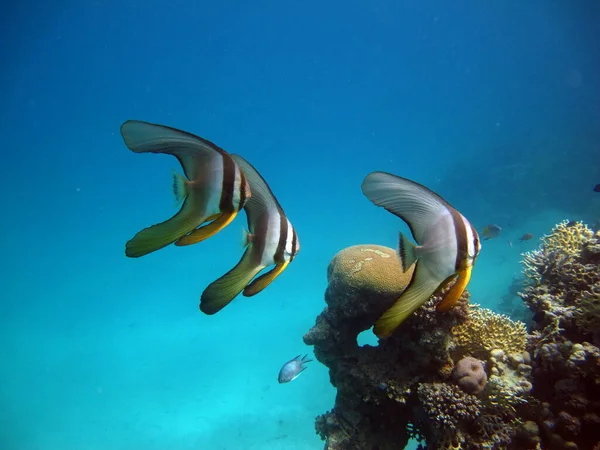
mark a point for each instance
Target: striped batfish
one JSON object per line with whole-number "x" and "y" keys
{"x": 271, "y": 239}
{"x": 214, "y": 189}
{"x": 446, "y": 250}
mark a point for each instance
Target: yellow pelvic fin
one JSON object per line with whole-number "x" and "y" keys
{"x": 264, "y": 280}
{"x": 455, "y": 291}
{"x": 207, "y": 231}
{"x": 165, "y": 233}
{"x": 420, "y": 289}
{"x": 219, "y": 293}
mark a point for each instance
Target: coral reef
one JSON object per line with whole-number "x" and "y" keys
{"x": 363, "y": 281}
{"x": 468, "y": 378}
{"x": 404, "y": 387}
{"x": 563, "y": 291}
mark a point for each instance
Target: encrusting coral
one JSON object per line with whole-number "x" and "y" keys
{"x": 468, "y": 378}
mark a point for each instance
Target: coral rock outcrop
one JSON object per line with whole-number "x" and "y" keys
{"x": 403, "y": 387}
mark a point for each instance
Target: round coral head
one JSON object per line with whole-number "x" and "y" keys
{"x": 470, "y": 376}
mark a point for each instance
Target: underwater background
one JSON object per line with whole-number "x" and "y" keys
{"x": 493, "y": 105}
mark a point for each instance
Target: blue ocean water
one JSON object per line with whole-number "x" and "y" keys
{"x": 494, "y": 105}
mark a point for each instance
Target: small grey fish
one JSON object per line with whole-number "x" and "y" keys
{"x": 491, "y": 231}
{"x": 292, "y": 369}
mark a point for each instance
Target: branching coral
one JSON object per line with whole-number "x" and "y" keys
{"x": 448, "y": 407}
{"x": 587, "y": 314}
{"x": 564, "y": 288}
{"x": 563, "y": 293}
{"x": 566, "y": 241}
{"x": 504, "y": 396}
{"x": 485, "y": 331}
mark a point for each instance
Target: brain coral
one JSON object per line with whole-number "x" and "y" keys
{"x": 470, "y": 376}
{"x": 363, "y": 281}
{"x": 485, "y": 331}
{"x": 371, "y": 268}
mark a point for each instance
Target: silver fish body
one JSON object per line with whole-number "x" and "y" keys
{"x": 292, "y": 369}
{"x": 445, "y": 250}
{"x": 271, "y": 240}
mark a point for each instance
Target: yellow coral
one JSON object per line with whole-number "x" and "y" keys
{"x": 566, "y": 238}
{"x": 486, "y": 330}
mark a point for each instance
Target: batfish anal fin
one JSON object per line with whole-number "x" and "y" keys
{"x": 420, "y": 289}
{"x": 221, "y": 292}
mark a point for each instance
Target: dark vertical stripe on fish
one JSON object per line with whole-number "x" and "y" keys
{"x": 242, "y": 190}
{"x": 259, "y": 239}
{"x": 475, "y": 241}
{"x": 226, "y": 203}
{"x": 294, "y": 244}
{"x": 462, "y": 246}
{"x": 283, "y": 233}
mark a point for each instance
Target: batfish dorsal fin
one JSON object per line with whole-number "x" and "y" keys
{"x": 262, "y": 200}
{"x": 415, "y": 204}
{"x": 189, "y": 149}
